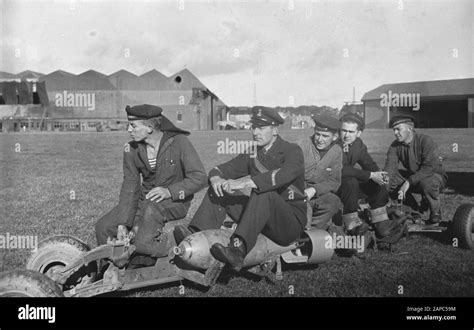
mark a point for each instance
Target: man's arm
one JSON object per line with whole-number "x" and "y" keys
{"x": 285, "y": 175}
{"x": 366, "y": 163}
{"x": 429, "y": 160}
{"x": 235, "y": 168}
{"x": 130, "y": 191}
{"x": 194, "y": 172}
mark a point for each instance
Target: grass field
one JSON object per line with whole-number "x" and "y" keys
{"x": 41, "y": 172}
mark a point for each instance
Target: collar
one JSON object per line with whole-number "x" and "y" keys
{"x": 411, "y": 142}
{"x": 274, "y": 146}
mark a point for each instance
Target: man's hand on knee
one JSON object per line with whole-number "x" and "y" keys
{"x": 379, "y": 177}
{"x": 158, "y": 194}
{"x": 216, "y": 183}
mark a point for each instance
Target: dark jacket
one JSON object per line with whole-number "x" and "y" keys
{"x": 285, "y": 164}
{"x": 419, "y": 157}
{"x": 356, "y": 153}
{"x": 178, "y": 168}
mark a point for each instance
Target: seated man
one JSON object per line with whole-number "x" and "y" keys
{"x": 323, "y": 163}
{"x": 275, "y": 207}
{"x": 368, "y": 179}
{"x": 423, "y": 170}
{"x": 162, "y": 157}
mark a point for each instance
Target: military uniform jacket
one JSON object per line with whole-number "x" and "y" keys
{"x": 356, "y": 153}
{"x": 322, "y": 172}
{"x": 178, "y": 168}
{"x": 419, "y": 157}
{"x": 284, "y": 162}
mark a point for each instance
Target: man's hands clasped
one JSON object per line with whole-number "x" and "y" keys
{"x": 220, "y": 185}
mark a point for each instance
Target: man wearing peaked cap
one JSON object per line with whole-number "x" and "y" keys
{"x": 401, "y": 119}
{"x": 326, "y": 123}
{"x": 161, "y": 171}
{"x": 275, "y": 207}
{"x": 323, "y": 163}
{"x": 262, "y": 116}
{"x": 423, "y": 169}
{"x": 367, "y": 180}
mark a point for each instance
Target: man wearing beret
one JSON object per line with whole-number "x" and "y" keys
{"x": 276, "y": 205}
{"x": 368, "y": 180}
{"x": 423, "y": 169}
{"x": 161, "y": 172}
{"x": 323, "y": 164}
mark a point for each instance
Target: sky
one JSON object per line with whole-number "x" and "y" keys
{"x": 273, "y": 53}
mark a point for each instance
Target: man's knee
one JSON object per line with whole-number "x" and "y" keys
{"x": 430, "y": 185}
{"x": 330, "y": 202}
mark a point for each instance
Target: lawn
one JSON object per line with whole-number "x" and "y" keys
{"x": 61, "y": 183}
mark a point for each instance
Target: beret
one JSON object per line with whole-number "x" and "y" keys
{"x": 263, "y": 116}
{"x": 144, "y": 111}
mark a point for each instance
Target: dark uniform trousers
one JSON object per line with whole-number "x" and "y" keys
{"x": 429, "y": 187}
{"x": 322, "y": 209}
{"x": 352, "y": 189}
{"x": 267, "y": 213}
{"x": 150, "y": 219}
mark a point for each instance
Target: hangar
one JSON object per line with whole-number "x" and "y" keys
{"x": 434, "y": 104}
{"x": 92, "y": 99}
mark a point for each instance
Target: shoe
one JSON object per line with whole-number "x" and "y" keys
{"x": 434, "y": 219}
{"x": 387, "y": 227}
{"x": 180, "y": 232}
{"x": 353, "y": 224}
{"x": 359, "y": 230}
{"x": 234, "y": 254}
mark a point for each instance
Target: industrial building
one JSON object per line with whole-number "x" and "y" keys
{"x": 434, "y": 104}
{"x": 92, "y": 100}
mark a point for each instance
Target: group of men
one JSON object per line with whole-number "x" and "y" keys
{"x": 292, "y": 186}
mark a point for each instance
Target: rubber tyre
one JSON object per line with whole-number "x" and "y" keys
{"x": 58, "y": 252}
{"x": 27, "y": 283}
{"x": 462, "y": 227}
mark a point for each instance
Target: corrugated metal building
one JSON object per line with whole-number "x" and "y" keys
{"x": 435, "y": 104}
{"x": 92, "y": 99}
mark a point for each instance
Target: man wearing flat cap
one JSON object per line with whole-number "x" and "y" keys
{"x": 161, "y": 172}
{"x": 423, "y": 171}
{"x": 323, "y": 164}
{"x": 276, "y": 205}
{"x": 367, "y": 180}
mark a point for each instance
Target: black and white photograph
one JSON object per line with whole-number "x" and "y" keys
{"x": 316, "y": 152}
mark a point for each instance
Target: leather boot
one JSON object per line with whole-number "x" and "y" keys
{"x": 233, "y": 254}
{"x": 180, "y": 232}
{"x": 354, "y": 225}
{"x": 382, "y": 223}
{"x": 435, "y": 218}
